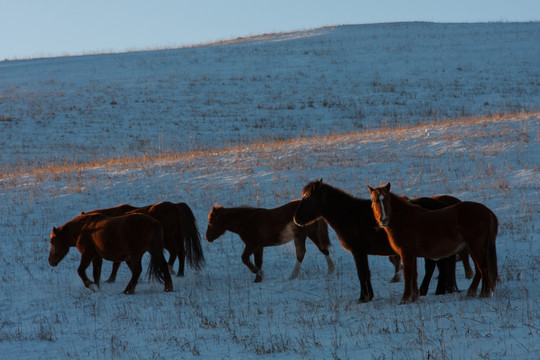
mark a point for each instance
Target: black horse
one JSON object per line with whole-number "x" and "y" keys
{"x": 352, "y": 220}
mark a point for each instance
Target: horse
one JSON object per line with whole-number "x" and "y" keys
{"x": 123, "y": 238}
{"x": 416, "y": 232}
{"x": 259, "y": 228}
{"x": 352, "y": 220}
{"x": 180, "y": 233}
{"x": 446, "y": 266}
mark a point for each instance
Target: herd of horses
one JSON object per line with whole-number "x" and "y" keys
{"x": 439, "y": 229}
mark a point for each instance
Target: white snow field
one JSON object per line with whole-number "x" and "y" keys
{"x": 432, "y": 108}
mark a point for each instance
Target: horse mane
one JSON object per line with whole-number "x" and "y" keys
{"x": 229, "y": 211}
{"x": 342, "y": 194}
{"x": 237, "y": 210}
{"x": 402, "y": 199}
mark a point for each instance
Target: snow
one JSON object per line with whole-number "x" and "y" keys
{"x": 250, "y": 123}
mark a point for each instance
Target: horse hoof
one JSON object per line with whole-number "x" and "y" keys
{"x": 110, "y": 281}
{"x": 258, "y": 279}
{"x": 364, "y": 299}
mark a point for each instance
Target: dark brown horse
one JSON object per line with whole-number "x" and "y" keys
{"x": 259, "y": 228}
{"x": 123, "y": 238}
{"x": 352, "y": 220}
{"x": 446, "y": 266}
{"x": 417, "y": 232}
{"x": 180, "y": 233}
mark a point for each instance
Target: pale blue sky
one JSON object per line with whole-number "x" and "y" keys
{"x": 35, "y": 28}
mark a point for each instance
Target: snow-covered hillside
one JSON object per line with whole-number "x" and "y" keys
{"x": 334, "y": 80}
{"x": 350, "y": 85}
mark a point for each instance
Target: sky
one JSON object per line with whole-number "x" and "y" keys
{"x": 37, "y": 28}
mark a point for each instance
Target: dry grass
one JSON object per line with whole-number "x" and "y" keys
{"x": 56, "y": 168}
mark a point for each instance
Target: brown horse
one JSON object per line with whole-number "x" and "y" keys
{"x": 417, "y": 232}
{"x": 259, "y": 228}
{"x": 447, "y": 266}
{"x": 352, "y": 220}
{"x": 180, "y": 233}
{"x": 123, "y": 238}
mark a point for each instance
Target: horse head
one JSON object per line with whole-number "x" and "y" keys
{"x": 215, "y": 227}
{"x": 311, "y": 206}
{"x": 380, "y": 203}
{"x": 59, "y": 241}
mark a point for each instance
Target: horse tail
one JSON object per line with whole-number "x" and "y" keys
{"x": 192, "y": 239}
{"x": 158, "y": 264}
{"x": 491, "y": 251}
{"x": 322, "y": 234}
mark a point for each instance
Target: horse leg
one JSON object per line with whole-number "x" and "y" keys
{"x": 442, "y": 265}
{"x": 115, "y": 267}
{"x": 86, "y": 259}
{"x": 429, "y": 266}
{"x": 451, "y": 283}
{"x": 166, "y": 274}
{"x": 300, "y": 246}
{"x": 170, "y": 263}
{"x": 396, "y": 261}
{"x": 474, "y": 283}
{"x": 464, "y": 257}
{"x": 96, "y": 267}
{"x": 181, "y": 259}
{"x": 410, "y": 275}
{"x": 245, "y": 259}
{"x": 326, "y": 253}
{"x": 362, "y": 269}
{"x": 136, "y": 269}
{"x": 258, "y": 255}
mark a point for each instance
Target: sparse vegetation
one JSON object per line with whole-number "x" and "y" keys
{"x": 230, "y": 124}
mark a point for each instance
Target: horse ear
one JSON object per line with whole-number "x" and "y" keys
{"x": 370, "y": 188}
{"x": 54, "y": 230}
{"x": 387, "y": 186}
{"x": 82, "y": 212}
{"x": 319, "y": 181}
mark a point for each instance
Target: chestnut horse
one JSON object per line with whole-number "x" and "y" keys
{"x": 352, "y": 220}
{"x": 416, "y": 232}
{"x": 123, "y": 238}
{"x": 259, "y": 228}
{"x": 180, "y": 233}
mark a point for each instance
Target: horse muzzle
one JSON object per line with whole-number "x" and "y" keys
{"x": 53, "y": 262}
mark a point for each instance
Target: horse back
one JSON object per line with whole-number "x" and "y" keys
{"x": 113, "y": 211}
{"x": 475, "y": 218}
{"x": 447, "y": 199}
{"x": 116, "y": 238}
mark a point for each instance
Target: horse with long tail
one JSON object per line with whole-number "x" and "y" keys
{"x": 180, "y": 233}
{"x": 352, "y": 220}
{"x": 417, "y": 232}
{"x": 123, "y": 238}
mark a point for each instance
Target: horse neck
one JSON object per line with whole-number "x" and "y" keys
{"x": 232, "y": 219}
{"x": 340, "y": 206}
{"x": 74, "y": 229}
{"x": 402, "y": 209}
